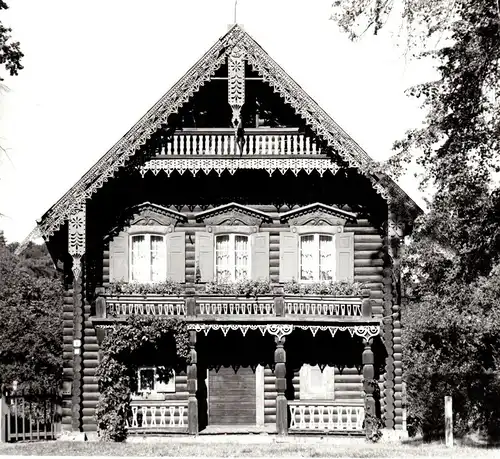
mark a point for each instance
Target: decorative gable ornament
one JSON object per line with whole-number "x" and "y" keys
{"x": 317, "y": 214}
{"x": 235, "y": 46}
{"x": 154, "y": 214}
{"x": 233, "y": 214}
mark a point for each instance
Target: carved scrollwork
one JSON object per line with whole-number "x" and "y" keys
{"x": 236, "y": 84}
{"x": 76, "y": 238}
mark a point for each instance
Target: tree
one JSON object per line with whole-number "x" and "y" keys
{"x": 31, "y": 331}
{"x": 10, "y": 51}
{"x": 451, "y": 268}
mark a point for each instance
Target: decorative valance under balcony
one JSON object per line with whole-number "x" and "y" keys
{"x": 232, "y": 164}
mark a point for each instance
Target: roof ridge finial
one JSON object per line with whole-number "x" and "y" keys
{"x": 235, "y": 11}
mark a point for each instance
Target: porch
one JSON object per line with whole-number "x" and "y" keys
{"x": 243, "y": 383}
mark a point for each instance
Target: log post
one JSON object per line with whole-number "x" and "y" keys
{"x": 192, "y": 379}
{"x": 448, "y": 420}
{"x": 4, "y": 413}
{"x": 76, "y": 248}
{"x": 368, "y": 376}
{"x": 281, "y": 401}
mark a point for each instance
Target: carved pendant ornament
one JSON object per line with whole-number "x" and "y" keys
{"x": 236, "y": 84}
{"x": 281, "y": 330}
{"x": 76, "y": 238}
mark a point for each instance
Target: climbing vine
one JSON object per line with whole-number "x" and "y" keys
{"x": 141, "y": 341}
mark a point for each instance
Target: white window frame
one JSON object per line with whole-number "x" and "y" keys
{"x": 232, "y": 243}
{"x": 147, "y": 239}
{"x": 159, "y": 387}
{"x": 316, "y": 259}
{"x": 308, "y": 390}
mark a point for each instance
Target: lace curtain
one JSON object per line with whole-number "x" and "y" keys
{"x": 316, "y": 258}
{"x": 148, "y": 259}
{"x": 231, "y": 257}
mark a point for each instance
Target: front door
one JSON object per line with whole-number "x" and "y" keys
{"x": 231, "y": 396}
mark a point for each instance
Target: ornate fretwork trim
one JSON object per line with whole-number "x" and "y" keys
{"x": 281, "y": 330}
{"x": 194, "y": 165}
{"x": 76, "y": 238}
{"x": 149, "y": 209}
{"x": 236, "y": 84}
{"x": 293, "y": 94}
{"x": 318, "y": 207}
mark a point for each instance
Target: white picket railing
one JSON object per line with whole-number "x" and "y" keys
{"x": 169, "y": 414}
{"x": 325, "y": 416}
{"x": 323, "y": 306}
{"x": 223, "y": 142}
{"x": 218, "y": 306}
{"x": 138, "y": 305}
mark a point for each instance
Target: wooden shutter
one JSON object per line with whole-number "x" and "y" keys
{"x": 289, "y": 256}
{"x": 204, "y": 253}
{"x": 260, "y": 256}
{"x": 176, "y": 256}
{"x": 344, "y": 254}
{"x": 118, "y": 258}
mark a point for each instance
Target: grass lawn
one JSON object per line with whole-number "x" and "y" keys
{"x": 240, "y": 448}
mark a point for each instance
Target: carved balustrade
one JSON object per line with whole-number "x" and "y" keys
{"x": 223, "y": 305}
{"x": 288, "y": 307}
{"x": 158, "y": 415}
{"x": 323, "y": 306}
{"x": 254, "y": 142}
{"x": 326, "y": 416}
{"x": 158, "y": 305}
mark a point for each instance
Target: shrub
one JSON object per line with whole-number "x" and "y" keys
{"x": 334, "y": 288}
{"x": 167, "y": 287}
{"x": 241, "y": 288}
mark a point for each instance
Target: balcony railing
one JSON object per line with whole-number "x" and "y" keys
{"x": 152, "y": 304}
{"x": 158, "y": 415}
{"x": 255, "y": 142}
{"x": 326, "y": 416}
{"x": 292, "y": 307}
{"x": 323, "y": 306}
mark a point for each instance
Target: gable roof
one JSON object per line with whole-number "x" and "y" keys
{"x": 322, "y": 124}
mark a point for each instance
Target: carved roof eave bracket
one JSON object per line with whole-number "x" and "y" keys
{"x": 233, "y": 207}
{"x": 318, "y": 206}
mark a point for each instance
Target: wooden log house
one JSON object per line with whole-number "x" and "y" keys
{"x": 237, "y": 173}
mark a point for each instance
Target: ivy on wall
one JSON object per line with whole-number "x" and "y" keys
{"x": 141, "y": 341}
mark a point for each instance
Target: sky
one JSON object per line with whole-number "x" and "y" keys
{"x": 93, "y": 68}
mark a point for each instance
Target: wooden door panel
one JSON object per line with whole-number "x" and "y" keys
{"x": 231, "y": 396}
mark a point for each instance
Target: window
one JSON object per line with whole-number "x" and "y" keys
{"x": 317, "y": 260}
{"x": 148, "y": 258}
{"x": 316, "y": 383}
{"x": 148, "y": 381}
{"x": 232, "y": 257}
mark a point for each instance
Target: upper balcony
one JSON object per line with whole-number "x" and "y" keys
{"x": 254, "y": 142}
{"x": 272, "y": 307}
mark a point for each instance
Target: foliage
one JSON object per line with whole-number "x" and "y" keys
{"x": 450, "y": 337}
{"x": 10, "y": 51}
{"x": 334, "y": 288}
{"x": 31, "y": 331}
{"x": 167, "y": 287}
{"x": 141, "y": 341}
{"x": 36, "y": 258}
{"x": 243, "y": 287}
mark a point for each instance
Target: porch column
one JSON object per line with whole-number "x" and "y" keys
{"x": 368, "y": 377}
{"x": 76, "y": 248}
{"x": 281, "y": 401}
{"x": 192, "y": 376}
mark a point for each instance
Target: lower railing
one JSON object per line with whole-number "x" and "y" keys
{"x": 321, "y": 416}
{"x": 161, "y": 415}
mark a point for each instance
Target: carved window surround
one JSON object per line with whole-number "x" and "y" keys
{"x": 233, "y": 217}
{"x": 315, "y": 215}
